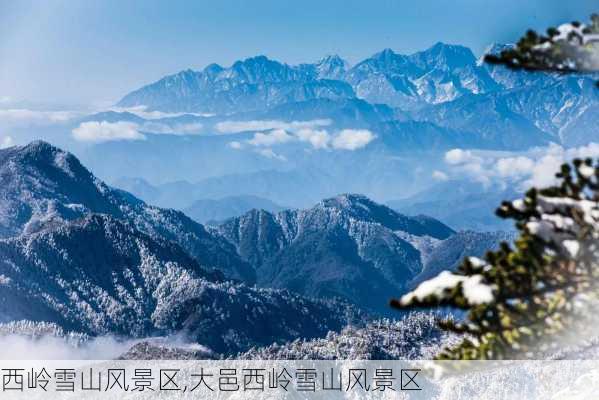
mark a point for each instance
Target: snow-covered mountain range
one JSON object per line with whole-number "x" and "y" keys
{"x": 264, "y": 128}
{"x": 438, "y": 74}
{"x": 536, "y": 103}
{"x": 79, "y": 254}
{"x": 76, "y": 253}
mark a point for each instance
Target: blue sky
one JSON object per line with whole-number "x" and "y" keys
{"x": 93, "y": 52}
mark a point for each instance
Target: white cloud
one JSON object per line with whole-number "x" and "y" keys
{"x": 142, "y": 111}
{"x": 49, "y": 347}
{"x": 269, "y": 153}
{"x": 7, "y": 141}
{"x": 277, "y": 136}
{"x": 23, "y": 116}
{"x": 353, "y": 139}
{"x": 440, "y": 176}
{"x": 229, "y": 127}
{"x": 98, "y": 132}
{"x": 319, "y": 139}
{"x": 536, "y": 167}
{"x": 104, "y": 131}
{"x": 459, "y": 156}
{"x": 514, "y": 166}
{"x": 274, "y": 132}
{"x": 176, "y": 129}
{"x": 235, "y": 145}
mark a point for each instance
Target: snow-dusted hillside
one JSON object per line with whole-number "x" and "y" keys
{"x": 348, "y": 247}
{"x": 41, "y": 186}
{"x": 99, "y": 276}
{"x": 415, "y": 337}
{"x": 438, "y": 74}
{"x": 77, "y": 255}
{"x": 91, "y": 259}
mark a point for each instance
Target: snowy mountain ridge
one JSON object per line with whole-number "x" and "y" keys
{"x": 113, "y": 265}
{"x": 346, "y": 247}
{"x": 438, "y": 74}
{"x": 83, "y": 257}
{"x": 42, "y": 185}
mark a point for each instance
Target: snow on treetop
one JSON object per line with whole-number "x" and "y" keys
{"x": 586, "y": 170}
{"x": 473, "y": 288}
{"x": 581, "y": 31}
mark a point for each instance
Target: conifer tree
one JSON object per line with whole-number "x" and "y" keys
{"x": 523, "y": 298}
{"x": 572, "y": 47}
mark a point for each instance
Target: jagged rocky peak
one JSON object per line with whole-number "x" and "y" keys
{"x": 388, "y": 61}
{"x": 386, "y": 77}
{"x": 331, "y": 67}
{"x": 213, "y": 69}
{"x": 181, "y": 78}
{"x": 261, "y": 69}
{"x": 332, "y": 59}
{"x": 444, "y": 56}
{"x": 385, "y": 54}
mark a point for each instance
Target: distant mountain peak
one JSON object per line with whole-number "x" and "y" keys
{"x": 256, "y": 60}
{"x": 439, "y": 74}
{"x": 331, "y": 67}
{"x": 363, "y": 208}
{"x": 342, "y": 242}
{"x": 331, "y": 58}
{"x": 213, "y": 69}
{"x": 443, "y": 55}
{"x": 38, "y": 146}
{"x": 385, "y": 53}
{"x": 42, "y": 155}
{"x": 41, "y": 184}
{"x": 347, "y": 200}
{"x": 185, "y": 74}
{"x": 442, "y": 47}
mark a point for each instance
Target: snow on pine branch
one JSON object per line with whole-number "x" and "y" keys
{"x": 442, "y": 287}
{"x": 555, "y": 226}
{"x": 535, "y": 292}
{"x": 563, "y": 221}
{"x": 570, "y": 47}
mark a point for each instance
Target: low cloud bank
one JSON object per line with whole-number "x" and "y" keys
{"x": 143, "y": 112}
{"x": 6, "y": 141}
{"x": 23, "y": 117}
{"x": 229, "y": 127}
{"x": 536, "y": 167}
{"x": 104, "y": 131}
{"x": 274, "y": 133}
{"x": 48, "y": 347}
